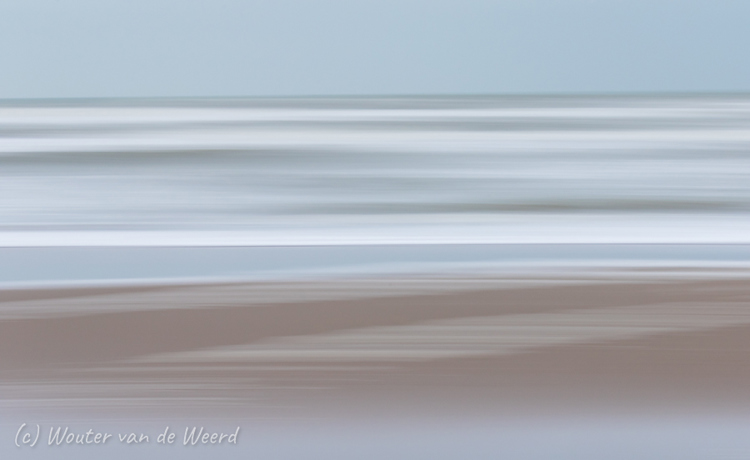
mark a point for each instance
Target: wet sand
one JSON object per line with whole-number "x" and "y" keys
{"x": 447, "y": 348}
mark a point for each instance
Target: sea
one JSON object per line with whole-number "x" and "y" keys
{"x": 277, "y": 187}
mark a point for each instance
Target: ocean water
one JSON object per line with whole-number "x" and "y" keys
{"x": 265, "y": 172}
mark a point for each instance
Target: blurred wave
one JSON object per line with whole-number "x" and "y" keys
{"x": 656, "y": 169}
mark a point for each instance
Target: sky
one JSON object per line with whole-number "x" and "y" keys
{"x": 194, "y": 48}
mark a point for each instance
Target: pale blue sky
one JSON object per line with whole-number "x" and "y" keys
{"x": 123, "y": 48}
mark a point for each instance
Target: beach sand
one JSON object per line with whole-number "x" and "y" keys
{"x": 567, "y": 346}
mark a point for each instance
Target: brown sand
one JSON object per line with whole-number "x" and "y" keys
{"x": 297, "y": 359}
